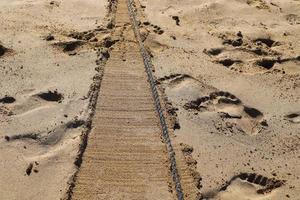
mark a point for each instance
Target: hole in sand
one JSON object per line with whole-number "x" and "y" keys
{"x": 108, "y": 42}
{"x": 29, "y": 169}
{"x": 177, "y": 20}
{"x": 266, "y": 63}
{"x": 55, "y": 3}
{"x": 103, "y": 55}
{"x": 49, "y": 37}
{"x": 7, "y": 99}
{"x": 69, "y": 45}
{"x": 3, "y": 50}
{"x": 110, "y": 25}
{"x": 75, "y": 124}
{"x": 106, "y": 54}
{"x": 51, "y": 96}
{"x": 176, "y": 125}
{"x": 146, "y": 23}
{"x": 235, "y": 43}
{"x": 228, "y": 62}
{"x": 160, "y": 32}
{"x": 259, "y": 52}
{"x": 214, "y": 51}
{"x": 266, "y": 41}
{"x": 252, "y": 112}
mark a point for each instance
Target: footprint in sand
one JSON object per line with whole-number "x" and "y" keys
{"x": 258, "y": 55}
{"x": 293, "y": 19}
{"x": 34, "y": 102}
{"x": 173, "y": 78}
{"x": 152, "y": 45}
{"x": 249, "y": 186}
{"x": 51, "y": 137}
{"x": 190, "y": 93}
{"x": 246, "y": 118}
{"x": 155, "y": 28}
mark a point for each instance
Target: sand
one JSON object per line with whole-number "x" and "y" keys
{"x": 228, "y": 71}
{"x": 49, "y": 87}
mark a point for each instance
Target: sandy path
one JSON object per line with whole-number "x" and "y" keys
{"x": 125, "y": 157}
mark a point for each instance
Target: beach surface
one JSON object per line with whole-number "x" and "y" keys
{"x": 228, "y": 74}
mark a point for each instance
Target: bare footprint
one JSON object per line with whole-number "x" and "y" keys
{"x": 172, "y": 78}
{"x": 246, "y": 118}
{"x": 293, "y": 19}
{"x": 51, "y": 137}
{"x": 155, "y": 28}
{"x": 249, "y": 186}
{"x": 244, "y": 54}
{"x": 35, "y": 102}
{"x": 153, "y": 45}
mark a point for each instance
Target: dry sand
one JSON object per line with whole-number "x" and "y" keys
{"x": 229, "y": 70}
{"x": 49, "y": 82}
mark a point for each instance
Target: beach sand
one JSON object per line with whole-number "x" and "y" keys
{"x": 45, "y": 77}
{"x": 228, "y": 72}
